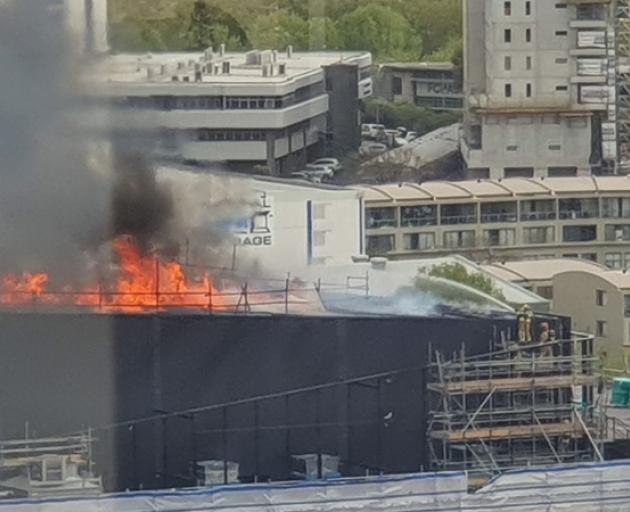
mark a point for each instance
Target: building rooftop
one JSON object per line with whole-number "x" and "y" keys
{"x": 618, "y": 278}
{"x": 509, "y": 188}
{"x": 540, "y": 270}
{"x": 246, "y": 68}
{"x": 420, "y": 66}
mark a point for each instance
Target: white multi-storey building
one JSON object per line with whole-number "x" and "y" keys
{"x": 540, "y": 87}
{"x": 260, "y": 108}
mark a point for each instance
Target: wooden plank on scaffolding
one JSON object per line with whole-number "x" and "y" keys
{"x": 513, "y": 431}
{"x": 515, "y": 383}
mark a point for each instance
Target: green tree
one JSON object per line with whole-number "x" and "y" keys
{"x": 209, "y": 25}
{"x": 458, "y": 273}
{"x": 323, "y": 34}
{"x": 436, "y": 21}
{"x": 279, "y": 30}
{"x": 380, "y": 30}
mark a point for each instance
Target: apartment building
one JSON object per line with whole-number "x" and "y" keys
{"x": 598, "y": 303}
{"x": 539, "y": 84}
{"x": 433, "y": 85}
{"x": 511, "y": 219}
{"x": 260, "y": 108}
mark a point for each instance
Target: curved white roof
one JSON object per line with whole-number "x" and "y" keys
{"x": 541, "y": 270}
{"x": 496, "y": 189}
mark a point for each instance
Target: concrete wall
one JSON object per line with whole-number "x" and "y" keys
{"x": 574, "y": 295}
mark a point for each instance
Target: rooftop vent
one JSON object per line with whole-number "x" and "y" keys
{"x": 252, "y": 58}
{"x": 379, "y": 263}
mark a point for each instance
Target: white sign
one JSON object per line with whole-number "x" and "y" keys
{"x": 256, "y": 231}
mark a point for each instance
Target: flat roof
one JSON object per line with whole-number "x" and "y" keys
{"x": 541, "y": 270}
{"x": 505, "y": 189}
{"x": 419, "y": 66}
{"x": 159, "y": 68}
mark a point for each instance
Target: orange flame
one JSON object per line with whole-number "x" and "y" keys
{"x": 143, "y": 283}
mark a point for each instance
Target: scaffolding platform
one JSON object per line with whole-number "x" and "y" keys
{"x": 518, "y": 405}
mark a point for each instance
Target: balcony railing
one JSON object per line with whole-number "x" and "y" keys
{"x": 381, "y": 223}
{"x": 535, "y": 216}
{"x": 573, "y": 214}
{"x": 459, "y": 219}
{"x": 498, "y": 217}
{"x": 408, "y": 222}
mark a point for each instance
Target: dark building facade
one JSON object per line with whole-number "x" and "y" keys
{"x": 434, "y": 85}
{"x": 161, "y": 392}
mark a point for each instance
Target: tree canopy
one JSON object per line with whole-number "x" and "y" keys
{"x": 390, "y": 29}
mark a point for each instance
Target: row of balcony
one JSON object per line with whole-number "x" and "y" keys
{"x": 496, "y": 213}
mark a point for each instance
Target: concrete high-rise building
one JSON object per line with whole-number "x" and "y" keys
{"x": 87, "y": 21}
{"x": 539, "y": 81}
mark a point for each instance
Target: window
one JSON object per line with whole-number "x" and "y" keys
{"x": 537, "y": 210}
{"x": 418, "y": 241}
{"x": 380, "y": 244}
{"x": 556, "y": 172}
{"x": 617, "y": 232}
{"x": 459, "y": 239}
{"x": 626, "y": 306}
{"x": 528, "y": 35}
{"x": 579, "y": 233}
{"x": 507, "y": 8}
{"x": 508, "y": 90}
{"x": 319, "y": 238}
{"x": 555, "y": 147}
{"x": 579, "y": 208}
{"x": 397, "y": 85}
{"x": 528, "y": 90}
{"x": 601, "y": 298}
{"x": 602, "y": 328}
{"x": 562, "y": 60}
{"x": 499, "y": 237}
{"x": 518, "y": 172}
{"x": 319, "y": 211}
{"x": 458, "y": 214}
{"x": 528, "y": 8}
{"x": 507, "y": 35}
{"x": 528, "y": 63}
{"x": 562, "y": 88}
{"x": 613, "y": 260}
{"x": 561, "y": 33}
{"x": 616, "y": 207}
{"x": 507, "y": 63}
{"x": 498, "y": 212}
{"x": 543, "y": 235}
{"x": 412, "y": 216}
{"x": 54, "y": 471}
{"x": 380, "y": 218}
{"x": 512, "y": 147}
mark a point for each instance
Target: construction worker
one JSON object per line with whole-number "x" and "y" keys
{"x": 545, "y": 340}
{"x": 525, "y": 321}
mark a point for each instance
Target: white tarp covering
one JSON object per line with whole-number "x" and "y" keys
{"x": 421, "y": 492}
{"x": 583, "y": 488}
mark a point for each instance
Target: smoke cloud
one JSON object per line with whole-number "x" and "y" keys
{"x": 63, "y": 195}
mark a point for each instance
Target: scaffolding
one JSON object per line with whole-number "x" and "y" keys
{"x": 518, "y": 405}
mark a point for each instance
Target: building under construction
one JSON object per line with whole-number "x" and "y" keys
{"x": 518, "y": 405}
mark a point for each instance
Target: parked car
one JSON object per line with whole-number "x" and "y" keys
{"x": 372, "y": 131}
{"x": 411, "y": 136}
{"x": 399, "y": 141}
{"x": 305, "y": 175}
{"x": 333, "y": 163}
{"x": 371, "y": 148}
